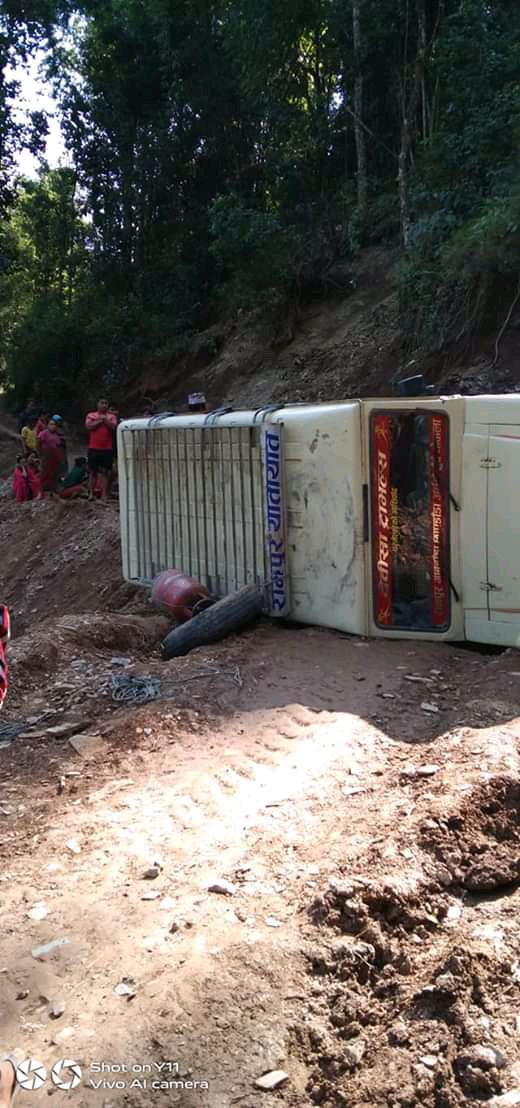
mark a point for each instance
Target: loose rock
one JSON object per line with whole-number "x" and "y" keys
{"x": 126, "y": 988}
{"x": 48, "y": 948}
{"x": 38, "y": 911}
{"x": 64, "y": 730}
{"x": 63, "y": 1036}
{"x": 481, "y": 1057}
{"x": 56, "y": 1009}
{"x": 354, "y": 1052}
{"x": 272, "y": 1080}
{"x": 454, "y": 913}
{"x": 222, "y": 888}
{"x": 167, "y": 904}
{"x": 413, "y": 772}
{"x": 87, "y": 744}
{"x": 399, "y": 1034}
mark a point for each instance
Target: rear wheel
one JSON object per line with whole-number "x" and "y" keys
{"x": 226, "y": 616}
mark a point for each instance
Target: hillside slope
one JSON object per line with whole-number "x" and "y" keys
{"x": 342, "y": 344}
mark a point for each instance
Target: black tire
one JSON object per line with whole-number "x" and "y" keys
{"x": 226, "y": 616}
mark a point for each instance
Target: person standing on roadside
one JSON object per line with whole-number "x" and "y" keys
{"x": 51, "y": 453}
{"x": 100, "y": 425}
{"x": 29, "y": 436}
{"x": 60, "y": 427}
{"x": 114, "y": 412}
{"x": 113, "y": 475}
{"x": 34, "y": 476}
{"x": 42, "y": 422}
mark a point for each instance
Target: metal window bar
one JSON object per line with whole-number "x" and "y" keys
{"x": 205, "y": 490}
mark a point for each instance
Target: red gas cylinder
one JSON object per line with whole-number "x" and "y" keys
{"x": 178, "y": 595}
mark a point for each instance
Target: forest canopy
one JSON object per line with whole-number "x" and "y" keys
{"x": 227, "y": 154}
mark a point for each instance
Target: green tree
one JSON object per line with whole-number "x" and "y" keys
{"x": 235, "y": 152}
{"x": 45, "y": 270}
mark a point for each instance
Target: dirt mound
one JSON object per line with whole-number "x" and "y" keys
{"x": 59, "y": 558}
{"x": 480, "y": 845}
{"x": 39, "y": 652}
{"x": 401, "y": 1018}
{"x": 400, "y": 1036}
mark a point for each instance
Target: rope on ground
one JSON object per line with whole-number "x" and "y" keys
{"x": 129, "y": 689}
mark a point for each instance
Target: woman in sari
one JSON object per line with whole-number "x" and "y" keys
{"x": 51, "y": 453}
{"x": 60, "y": 427}
{"x": 26, "y": 479}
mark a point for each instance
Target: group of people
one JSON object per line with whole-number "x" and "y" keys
{"x": 44, "y": 457}
{"x": 42, "y": 469}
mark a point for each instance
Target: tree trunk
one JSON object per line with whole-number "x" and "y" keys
{"x": 404, "y": 183}
{"x": 71, "y": 259}
{"x": 421, "y": 29}
{"x": 409, "y": 121}
{"x": 359, "y": 133}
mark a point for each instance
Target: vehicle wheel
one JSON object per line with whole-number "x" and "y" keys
{"x": 223, "y": 618}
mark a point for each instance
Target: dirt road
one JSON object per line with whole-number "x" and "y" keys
{"x": 331, "y": 834}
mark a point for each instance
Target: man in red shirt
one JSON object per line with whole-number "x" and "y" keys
{"x": 100, "y": 425}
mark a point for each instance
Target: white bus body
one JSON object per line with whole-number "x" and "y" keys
{"x": 394, "y": 518}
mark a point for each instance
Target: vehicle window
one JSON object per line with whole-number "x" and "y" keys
{"x": 409, "y": 455}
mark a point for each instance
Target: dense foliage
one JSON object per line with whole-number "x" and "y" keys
{"x": 229, "y": 153}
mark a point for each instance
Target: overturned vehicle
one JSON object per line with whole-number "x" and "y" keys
{"x": 383, "y": 517}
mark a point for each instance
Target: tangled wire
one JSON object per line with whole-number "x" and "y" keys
{"x": 129, "y": 689}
